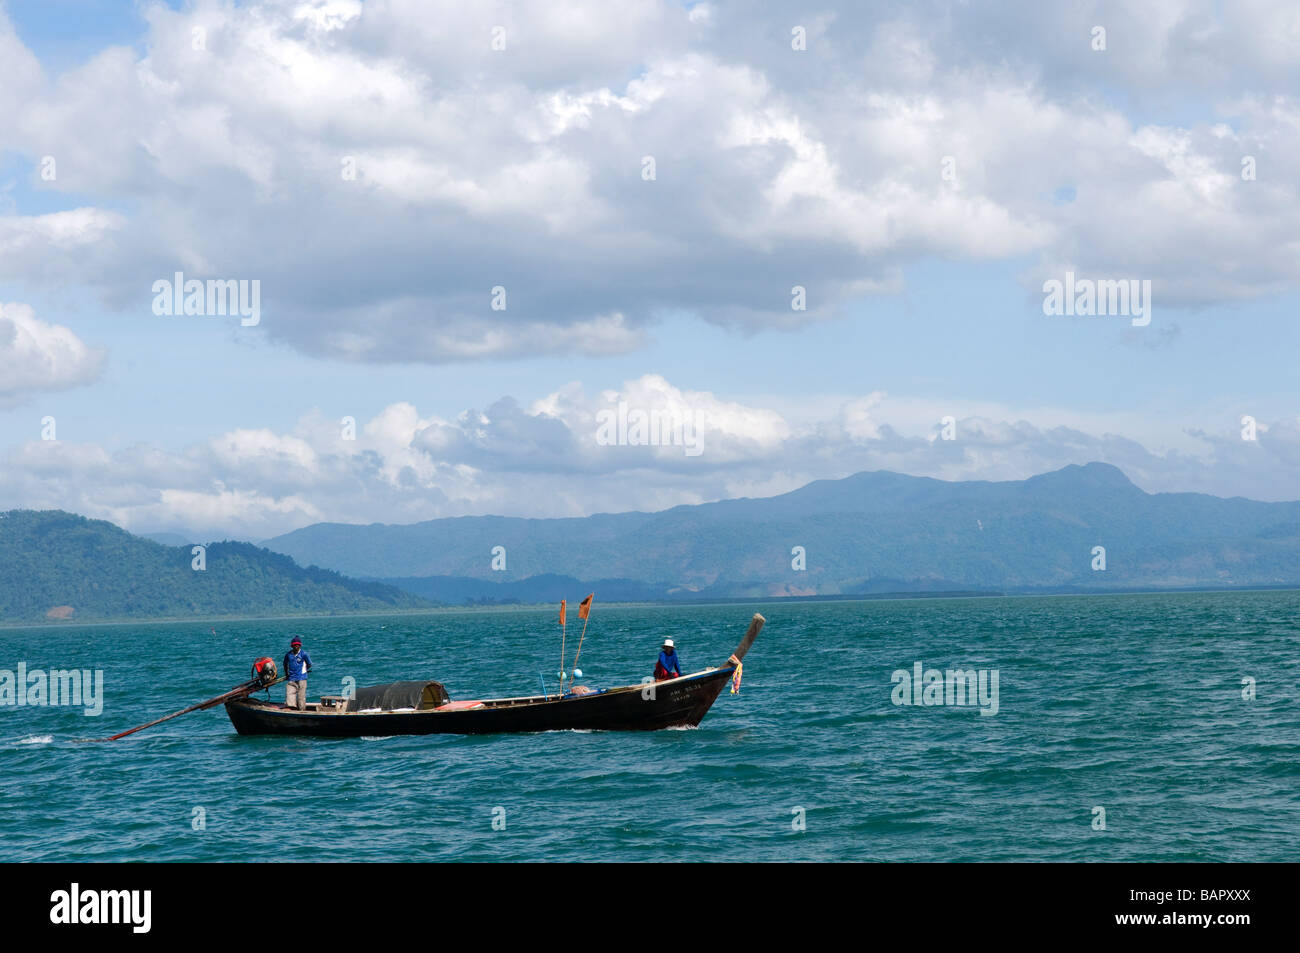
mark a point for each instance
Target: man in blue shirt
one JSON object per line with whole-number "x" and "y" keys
{"x": 669, "y": 665}
{"x": 297, "y": 663}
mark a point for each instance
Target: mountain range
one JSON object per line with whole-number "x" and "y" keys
{"x": 868, "y": 533}
{"x": 1082, "y": 528}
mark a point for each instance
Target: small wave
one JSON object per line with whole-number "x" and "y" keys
{"x": 36, "y": 740}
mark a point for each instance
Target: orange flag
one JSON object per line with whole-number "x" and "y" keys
{"x": 562, "y": 613}
{"x": 584, "y": 607}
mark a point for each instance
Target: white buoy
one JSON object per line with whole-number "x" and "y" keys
{"x": 577, "y": 673}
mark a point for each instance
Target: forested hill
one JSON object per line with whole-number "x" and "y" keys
{"x": 60, "y": 566}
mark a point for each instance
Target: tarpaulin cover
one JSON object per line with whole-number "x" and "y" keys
{"x": 419, "y": 695}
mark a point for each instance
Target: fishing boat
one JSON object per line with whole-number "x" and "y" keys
{"x": 424, "y": 708}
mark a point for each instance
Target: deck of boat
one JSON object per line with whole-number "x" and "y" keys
{"x": 672, "y": 703}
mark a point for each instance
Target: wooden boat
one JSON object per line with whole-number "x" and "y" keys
{"x": 422, "y": 708}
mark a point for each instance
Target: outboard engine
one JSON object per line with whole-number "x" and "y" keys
{"x": 264, "y": 671}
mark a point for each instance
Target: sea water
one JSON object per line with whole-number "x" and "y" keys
{"x": 1127, "y": 727}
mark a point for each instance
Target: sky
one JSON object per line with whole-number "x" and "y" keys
{"x": 819, "y": 237}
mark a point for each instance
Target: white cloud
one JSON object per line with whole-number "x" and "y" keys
{"x": 36, "y": 356}
{"x": 544, "y": 459}
{"x": 263, "y": 447}
{"x": 523, "y": 167}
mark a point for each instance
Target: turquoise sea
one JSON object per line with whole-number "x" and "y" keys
{"x": 1133, "y": 704}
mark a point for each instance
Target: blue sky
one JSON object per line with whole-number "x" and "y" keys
{"x": 207, "y": 138}
{"x": 67, "y": 33}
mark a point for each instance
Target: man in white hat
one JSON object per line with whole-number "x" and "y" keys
{"x": 669, "y": 665}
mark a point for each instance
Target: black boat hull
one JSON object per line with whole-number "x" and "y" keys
{"x": 674, "y": 703}
{"x": 678, "y": 702}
